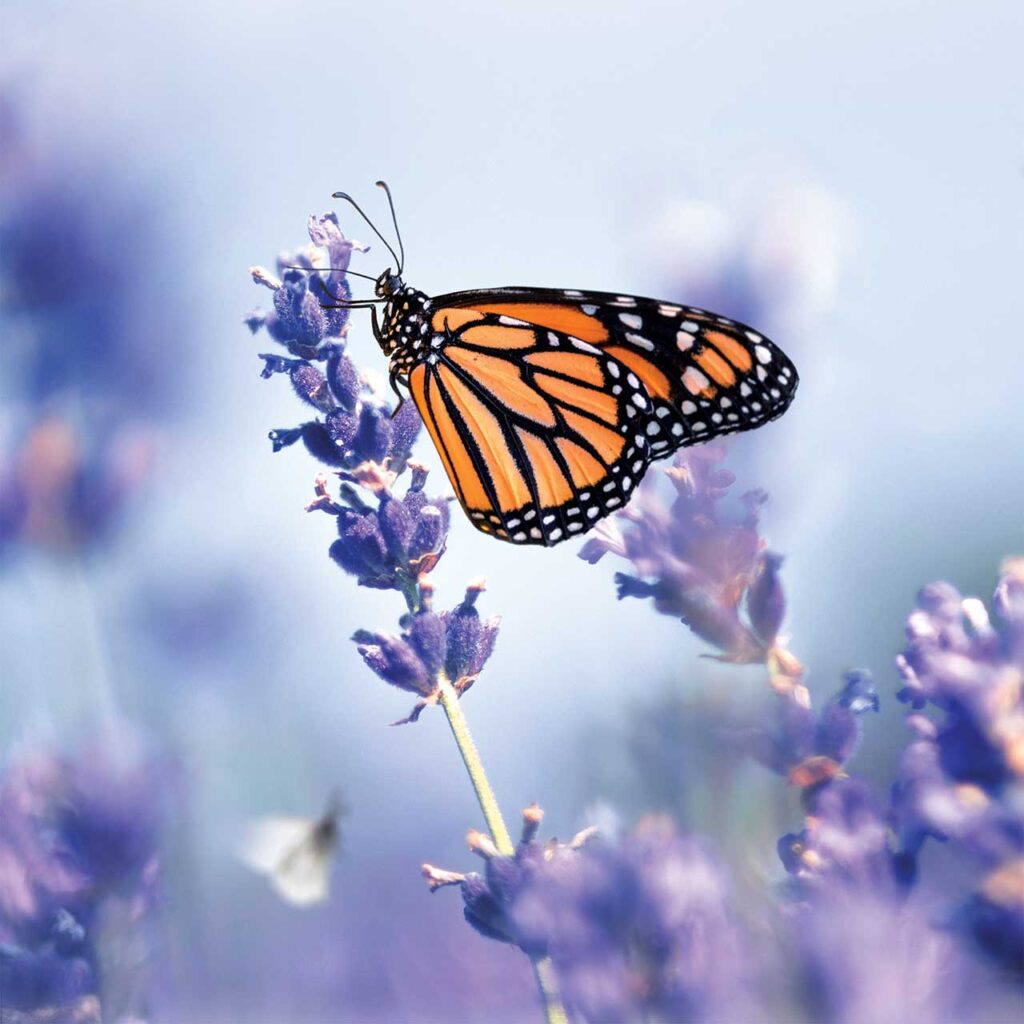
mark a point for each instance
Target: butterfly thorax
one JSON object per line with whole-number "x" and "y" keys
{"x": 405, "y": 329}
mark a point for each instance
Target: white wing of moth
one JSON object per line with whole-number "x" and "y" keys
{"x": 294, "y": 853}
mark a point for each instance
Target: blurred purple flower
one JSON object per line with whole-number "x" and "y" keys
{"x": 807, "y": 747}
{"x": 87, "y": 375}
{"x": 961, "y": 779}
{"x": 777, "y": 266}
{"x": 705, "y": 565}
{"x": 860, "y": 957}
{"x": 640, "y": 929}
{"x": 79, "y": 846}
{"x": 844, "y": 846}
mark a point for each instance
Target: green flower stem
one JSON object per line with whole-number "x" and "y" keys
{"x": 474, "y": 766}
{"x": 543, "y": 970}
{"x": 547, "y": 987}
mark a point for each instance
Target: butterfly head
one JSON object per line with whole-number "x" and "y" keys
{"x": 388, "y": 285}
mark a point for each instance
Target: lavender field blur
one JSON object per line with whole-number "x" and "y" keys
{"x": 757, "y": 740}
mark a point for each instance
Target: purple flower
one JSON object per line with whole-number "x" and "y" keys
{"x": 89, "y": 371}
{"x": 456, "y": 643}
{"x": 776, "y": 266}
{"x": 391, "y": 546}
{"x": 961, "y": 779}
{"x": 387, "y": 539}
{"x": 809, "y": 748}
{"x": 844, "y": 844}
{"x": 79, "y": 847}
{"x": 698, "y": 563}
{"x": 641, "y": 929}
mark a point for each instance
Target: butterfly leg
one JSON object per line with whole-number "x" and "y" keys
{"x": 394, "y": 378}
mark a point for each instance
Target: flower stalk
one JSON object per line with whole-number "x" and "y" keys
{"x": 543, "y": 969}
{"x": 449, "y": 700}
{"x": 386, "y": 540}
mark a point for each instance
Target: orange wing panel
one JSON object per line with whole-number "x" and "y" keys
{"x": 567, "y": 319}
{"x": 457, "y": 463}
{"x": 508, "y": 482}
{"x": 500, "y": 337}
{"x": 585, "y": 469}
{"x": 716, "y": 367}
{"x": 572, "y": 364}
{"x": 597, "y": 403}
{"x": 552, "y": 487}
{"x": 607, "y": 442}
{"x": 504, "y": 380}
{"x": 733, "y": 350}
{"x": 453, "y": 317}
{"x": 654, "y": 380}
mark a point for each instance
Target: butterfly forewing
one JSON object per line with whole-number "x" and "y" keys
{"x": 547, "y": 406}
{"x": 540, "y": 432}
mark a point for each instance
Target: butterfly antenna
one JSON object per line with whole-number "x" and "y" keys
{"x": 327, "y": 270}
{"x": 359, "y": 210}
{"x": 394, "y": 220}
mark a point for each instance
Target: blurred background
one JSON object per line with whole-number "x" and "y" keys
{"x": 847, "y": 178}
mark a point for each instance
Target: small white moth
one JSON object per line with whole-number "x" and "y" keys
{"x": 295, "y": 853}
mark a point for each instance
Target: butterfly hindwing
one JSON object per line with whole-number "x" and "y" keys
{"x": 547, "y": 406}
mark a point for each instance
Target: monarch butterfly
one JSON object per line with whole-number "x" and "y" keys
{"x": 547, "y": 406}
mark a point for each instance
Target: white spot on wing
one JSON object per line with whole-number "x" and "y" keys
{"x": 694, "y": 381}
{"x": 640, "y": 341}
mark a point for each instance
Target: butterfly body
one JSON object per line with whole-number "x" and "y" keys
{"x": 547, "y": 406}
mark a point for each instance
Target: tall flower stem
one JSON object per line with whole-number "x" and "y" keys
{"x": 474, "y": 766}
{"x": 543, "y": 970}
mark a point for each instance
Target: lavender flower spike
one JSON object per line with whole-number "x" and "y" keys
{"x": 704, "y": 566}
{"x": 639, "y": 930}
{"x": 961, "y": 779}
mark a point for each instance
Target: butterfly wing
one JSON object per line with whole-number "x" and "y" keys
{"x": 547, "y": 406}
{"x": 295, "y": 853}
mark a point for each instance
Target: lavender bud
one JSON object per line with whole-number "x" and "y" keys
{"x": 396, "y": 527}
{"x": 280, "y": 330}
{"x": 483, "y": 911}
{"x": 311, "y": 386}
{"x": 343, "y": 378}
{"x": 405, "y": 428}
{"x": 427, "y": 638}
{"x": 286, "y": 436}
{"x": 373, "y": 436}
{"x": 319, "y": 443}
{"x": 342, "y": 427}
{"x": 837, "y": 734}
{"x": 464, "y": 634}
{"x": 858, "y": 692}
{"x": 430, "y": 531}
{"x": 395, "y": 662}
{"x": 360, "y": 548}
